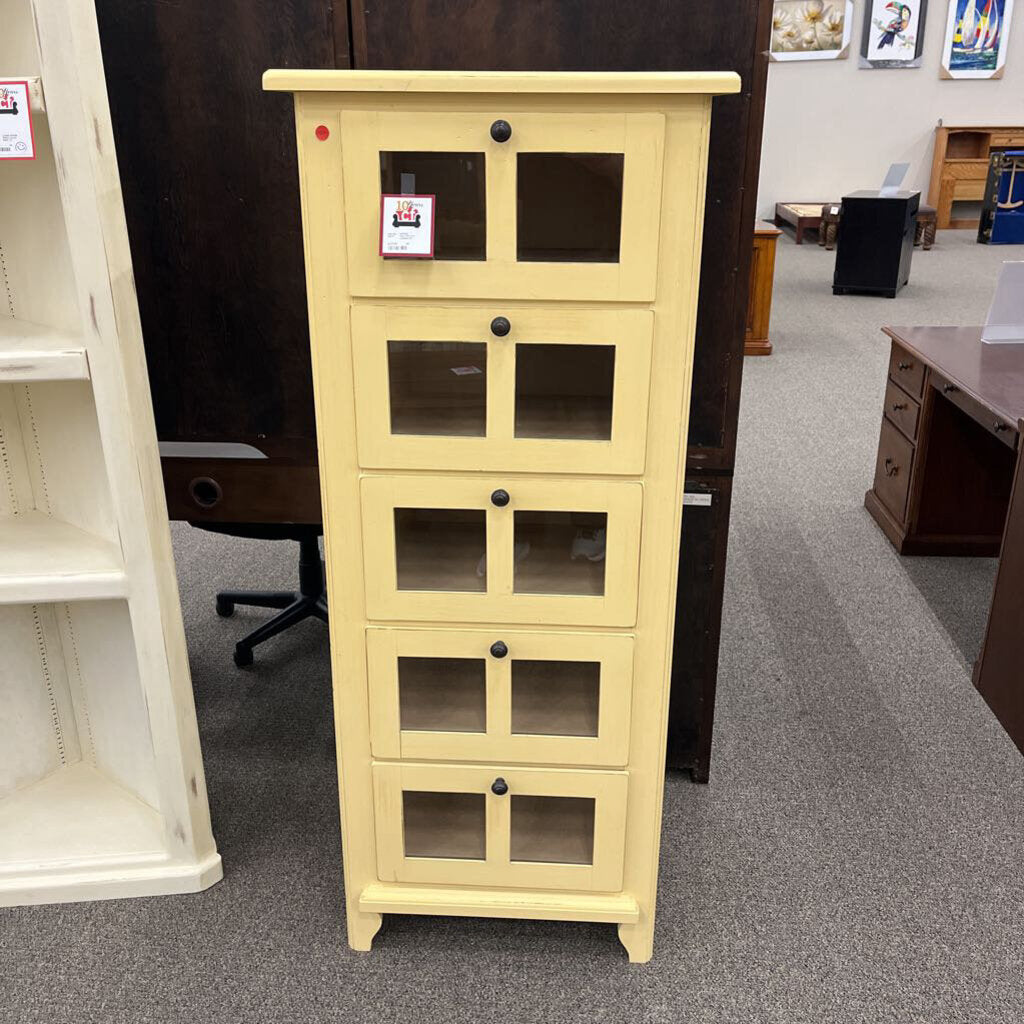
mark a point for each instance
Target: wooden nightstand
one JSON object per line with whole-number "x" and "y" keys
{"x": 502, "y": 431}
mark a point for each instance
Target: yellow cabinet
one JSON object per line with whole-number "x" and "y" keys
{"x": 541, "y": 389}
{"x": 502, "y": 434}
{"x": 505, "y": 826}
{"x": 500, "y": 695}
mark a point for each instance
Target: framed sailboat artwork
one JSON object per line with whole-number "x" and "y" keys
{"x": 976, "y": 35}
{"x": 893, "y": 35}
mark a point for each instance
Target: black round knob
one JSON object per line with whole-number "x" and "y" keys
{"x": 500, "y": 498}
{"x": 499, "y": 787}
{"x": 499, "y": 649}
{"x": 500, "y": 326}
{"x": 501, "y": 131}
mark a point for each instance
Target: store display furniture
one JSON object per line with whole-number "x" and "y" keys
{"x": 876, "y": 242}
{"x": 960, "y": 163}
{"x": 501, "y": 639}
{"x": 101, "y": 780}
{"x": 800, "y": 216}
{"x": 948, "y": 458}
{"x": 759, "y": 301}
{"x": 228, "y": 350}
{"x": 828, "y": 229}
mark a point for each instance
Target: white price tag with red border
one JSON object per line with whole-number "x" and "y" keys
{"x": 16, "y": 139}
{"x": 407, "y": 226}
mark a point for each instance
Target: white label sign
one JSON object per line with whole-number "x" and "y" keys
{"x": 407, "y": 226}
{"x": 16, "y": 139}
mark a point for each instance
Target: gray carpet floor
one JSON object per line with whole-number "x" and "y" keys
{"x": 857, "y": 856}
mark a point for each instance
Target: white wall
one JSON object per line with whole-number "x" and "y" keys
{"x": 831, "y": 127}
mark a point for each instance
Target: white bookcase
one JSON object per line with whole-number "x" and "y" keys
{"x": 102, "y": 791}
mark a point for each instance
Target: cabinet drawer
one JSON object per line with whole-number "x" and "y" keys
{"x": 501, "y": 549}
{"x": 1009, "y": 139}
{"x": 1005, "y": 430}
{"x": 500, "y": 825}
{"x": 500, "y": 695}
{"x": 902, "y": 410}
{"x": 907, "y": 370}
{"x": 892, "y": 470}
{"x": 497, "y": 388}
{"x": 568, "y": 206}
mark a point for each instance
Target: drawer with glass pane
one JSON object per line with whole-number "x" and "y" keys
{"x": 500, "y": 695}
{"x": 501, "y": 549}
{"x": 556, "y": 390}
{"x": 501, "y": 825}
{"x": 526, "y": 204}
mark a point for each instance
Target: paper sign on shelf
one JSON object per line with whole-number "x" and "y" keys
{"x": 407, "y": 226}
{"x": 16, "y": 139}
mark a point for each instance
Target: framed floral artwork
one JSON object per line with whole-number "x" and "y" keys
{"x": 893, "y": 33}
{"x": 811, "y": 29}
{"x": 976, "y": 35}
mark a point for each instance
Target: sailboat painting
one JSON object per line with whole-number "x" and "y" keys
{"x": 976, "y": 34}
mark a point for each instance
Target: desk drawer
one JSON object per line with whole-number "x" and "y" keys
{"x": 892, "y": 470}
{"x": 902, "y": 410}
{"x": 907, "y": 370}
{"x": 1010, "y": 139}
{"x": 995, "y": 425}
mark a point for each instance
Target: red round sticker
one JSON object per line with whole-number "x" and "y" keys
{"x": 322, "y": 131}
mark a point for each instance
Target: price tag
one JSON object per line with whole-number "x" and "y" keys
{"x": 16, "y": 139}
{"x": 407, "y": 226}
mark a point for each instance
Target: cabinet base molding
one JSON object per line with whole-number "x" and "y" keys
{"x": 615, "y": 908}
{"x": 111, "y": 881}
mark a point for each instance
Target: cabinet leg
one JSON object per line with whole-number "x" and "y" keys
{"x": 638, "y": 940}
{"x": 361, "y": 930}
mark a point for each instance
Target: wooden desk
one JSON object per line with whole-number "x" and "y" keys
{"x": 759, "y": 299}
{"x": 960, "y": 165}
{"x": 948, "y": 459}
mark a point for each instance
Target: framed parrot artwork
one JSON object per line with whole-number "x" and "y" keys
{"x": 893, "y": 34}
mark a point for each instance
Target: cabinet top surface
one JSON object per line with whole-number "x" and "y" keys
{"x": 993, "y": 374}
{"x": 558, "y": 82}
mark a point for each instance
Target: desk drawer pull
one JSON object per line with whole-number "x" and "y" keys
{"x": 999, "y": 427}
{"x": 905, "y": 366}
{"x": 891, "y": 469}
{"x": 898, "y": 406}
{"x": 948, "y": 389}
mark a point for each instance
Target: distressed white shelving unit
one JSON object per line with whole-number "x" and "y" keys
{"x": 102, "y": 791}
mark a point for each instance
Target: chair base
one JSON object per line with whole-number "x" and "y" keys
{"x": 309, "y": 601}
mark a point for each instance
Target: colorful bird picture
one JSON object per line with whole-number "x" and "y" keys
{"x": 893, "y": 32}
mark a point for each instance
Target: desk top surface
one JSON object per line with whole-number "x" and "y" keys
{"x": 992, "y": 374}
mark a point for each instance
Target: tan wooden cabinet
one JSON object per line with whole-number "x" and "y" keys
{"x": 502, "y": 429}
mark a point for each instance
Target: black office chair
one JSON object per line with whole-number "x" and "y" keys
{"x": 296, "y": 606}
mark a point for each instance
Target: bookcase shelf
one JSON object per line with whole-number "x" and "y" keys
{"x": 101, "y": 778}
{"x": 45, "y": 559}
{"x": 34, "y": 352}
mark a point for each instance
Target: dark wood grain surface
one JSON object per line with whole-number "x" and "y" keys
{"x": 998, "y": 674}
{"x": 991, "y": 374}
{"x": 208, "y": 171}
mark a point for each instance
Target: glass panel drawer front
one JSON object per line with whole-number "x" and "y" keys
{"x": 493, "y": 388}
{"x": 567, "y": 205}
{"x": 507, "y": 826}
{"x": 500, "y": 695}
{"x": 493, "y": 549}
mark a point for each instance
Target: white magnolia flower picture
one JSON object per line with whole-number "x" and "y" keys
{"x": 811, "y": 29}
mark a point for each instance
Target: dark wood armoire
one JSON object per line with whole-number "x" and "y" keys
{"x": 208, "y": 168}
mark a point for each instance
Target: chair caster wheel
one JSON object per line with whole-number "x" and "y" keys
{"x": 242, "y": 656}
{"x": 225, "y": 607}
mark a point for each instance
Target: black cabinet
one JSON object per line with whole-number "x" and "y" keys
{"x": 876, "y": 241}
